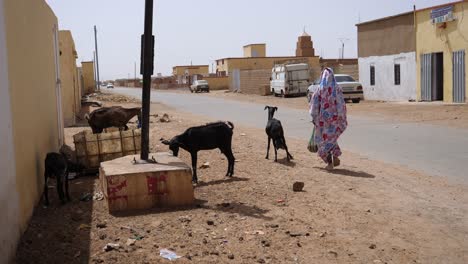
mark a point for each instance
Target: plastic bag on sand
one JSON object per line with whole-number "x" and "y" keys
{"x": 312, "y": 146}
{"x": 167, "y": 254}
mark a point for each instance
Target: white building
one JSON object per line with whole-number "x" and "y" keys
{"x": 387, "y": 58}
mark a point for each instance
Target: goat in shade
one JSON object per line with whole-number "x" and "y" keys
{"x": 56, "y": 166}
{"x": 274, "y": 130}
{"x": 207, "y": 137}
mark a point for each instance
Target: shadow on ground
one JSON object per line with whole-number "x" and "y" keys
{"x": 349, "y": 173}
{"x": 59, "y": 233}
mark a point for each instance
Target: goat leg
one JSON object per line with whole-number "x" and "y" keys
{"x": 66, "y": 186}
{"x": 268, "y": 148}
{"x": 276, "y": 151}
{"x": 46, "y": 188}
{"x": 60, "y": 187}
{"x": 194, "y": 167}
{"x": 289, "y": 156}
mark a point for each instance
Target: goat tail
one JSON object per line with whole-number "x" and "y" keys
{"x": 229, "y": 123}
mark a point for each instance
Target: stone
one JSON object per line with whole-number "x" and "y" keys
{"x": 298, "y": 186}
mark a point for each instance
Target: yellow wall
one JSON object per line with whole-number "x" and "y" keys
{"x": 255, "y": 50}
{"x": 430, "y": 39}
{"x": 36, "y": 123}
{"x": 89, "y": 82}
{"x": 217, "y": 83}
{"x": 196, "y": 69}
{"x": 259, "y": 63}
{"x": 71, "y": 93}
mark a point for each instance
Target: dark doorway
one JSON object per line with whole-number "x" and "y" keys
{"x": 438, "y": 76}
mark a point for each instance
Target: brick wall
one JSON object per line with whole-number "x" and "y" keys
{"x": 255, "y": 82}
{"x": 217, "y": 83}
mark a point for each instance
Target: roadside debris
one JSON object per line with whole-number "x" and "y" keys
{"x": 167, "y": 254}
{"x": 165, "y": 118}
{"x": 86, "y": 197}
{"x": 298, "y": 186}
{"x": 99, "y": 196}
{"x": 110, "y": 247}
{"x": 205, "y": 165}
{"x": 131, "y": 242}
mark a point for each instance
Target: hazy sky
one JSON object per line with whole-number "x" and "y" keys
{"x": 202, "y": 31}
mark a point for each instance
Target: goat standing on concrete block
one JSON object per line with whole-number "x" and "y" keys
{"x": 56, "y": 167}
{"x": 207, "y": 137}
{"x": 274, "y": 130}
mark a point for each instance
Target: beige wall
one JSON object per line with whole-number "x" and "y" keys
{"x": 217, "y": 83}
{"x": 387, "y": 36}
{"x": 255, "y": 81}
{"x": 431, "y": 39}
{"x": 89, "y": 82}
{"x": 195, "y": 69}
{"x": 71, "y": 93}
{"x": 36, "y": 124}
{"x": 260, "y": 63}
{"x": 255, "y": 50}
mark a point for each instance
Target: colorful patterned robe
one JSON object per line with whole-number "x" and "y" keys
{"x": 328, "y": 110}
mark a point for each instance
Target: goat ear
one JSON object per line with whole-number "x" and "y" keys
{"x": 266, "y": 107}
{"x": 276, "y": 108}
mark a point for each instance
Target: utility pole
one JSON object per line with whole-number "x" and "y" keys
{"x": 147, "y": 44}
{"x": 134, "y": 69}
{"x": 342, "y": 40}
{"x": 97, "y": 58}
{"x": 96, "y": 86}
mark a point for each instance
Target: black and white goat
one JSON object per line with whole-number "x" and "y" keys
{"x": 56, "y": 166}
{"x": 207, "y": 137}
{"x": 274, "y": 130}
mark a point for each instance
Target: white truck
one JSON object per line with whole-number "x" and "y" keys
{"x": 289, "y": 79}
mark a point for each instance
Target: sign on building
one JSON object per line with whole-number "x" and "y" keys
{"x": 442, "y": 15}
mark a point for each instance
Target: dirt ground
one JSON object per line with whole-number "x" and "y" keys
{"x": 363, "y": 212}
{"x": 451, "y": 115}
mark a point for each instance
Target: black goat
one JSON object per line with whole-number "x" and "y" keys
{"x": 274, "y": 130}
{"x": 210, "y": 136}
{"x": 56, "y": 166}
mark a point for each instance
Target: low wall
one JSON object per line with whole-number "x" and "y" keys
{"x": 217, "y": 83}
{"x": 255, "y": 82}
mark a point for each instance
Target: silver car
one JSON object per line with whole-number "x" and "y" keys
{"x": 352, "y": 90}
{"x": 200, "y": 86}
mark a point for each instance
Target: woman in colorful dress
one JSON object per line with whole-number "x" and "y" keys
{"x": 328, "y": 110}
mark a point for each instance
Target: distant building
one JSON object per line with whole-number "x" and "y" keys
{"x": 89, "y": 82}
{"x": 255, "y": 50}
{"x": 441, "y": 45}
{"x": 305, "y": 47}
{"x": 30, "y": 112}
{"x": 251, "y": 73}
{"x": 70, "y": 80}
{"x": 387, "y": 58}
{"x": 184, "y": 73}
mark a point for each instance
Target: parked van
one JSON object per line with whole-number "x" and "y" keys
{"x": 289, "y": 79}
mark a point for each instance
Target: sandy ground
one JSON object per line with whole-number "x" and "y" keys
{"x": 363, "y": 212}
{"x": 452, "y": 115}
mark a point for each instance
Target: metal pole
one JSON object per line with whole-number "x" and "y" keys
{"x": 134, "y": 69}
{"x": 147, "y": 70}
{"x": 97, "y": 58}
{"x": 94, "y": 71}
{"x": 342, "y": 51}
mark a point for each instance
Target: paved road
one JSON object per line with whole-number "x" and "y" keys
{"x": 432, "y": 149}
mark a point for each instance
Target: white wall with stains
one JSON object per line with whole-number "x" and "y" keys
{"x": 385, "y": 88}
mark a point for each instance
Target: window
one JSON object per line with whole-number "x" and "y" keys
{"x": 372, "y": 75}
{"x": 344, "y": 78}
{"x": 396, "y": 71}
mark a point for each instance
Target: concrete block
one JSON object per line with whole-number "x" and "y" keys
{"x": 127, "y": 186}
